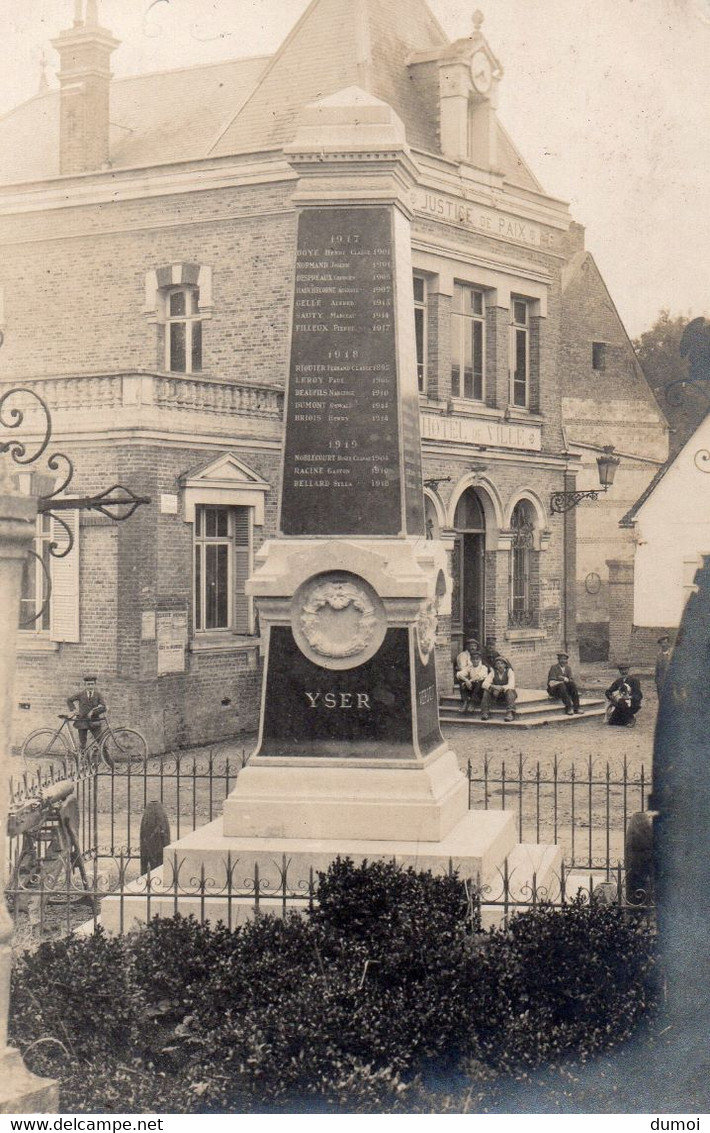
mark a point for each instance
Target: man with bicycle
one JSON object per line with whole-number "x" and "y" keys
{"x": 90, "y": 708}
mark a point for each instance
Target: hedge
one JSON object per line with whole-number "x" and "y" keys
{"x": 387, "y": 984}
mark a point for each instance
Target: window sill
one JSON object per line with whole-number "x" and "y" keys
{"x": 465, "y": 407}
{"x": 521, "y": 413}
{"x": 227, "y": 643}
{"x": 531, "y": 633}
{"x": 37, "y": 644}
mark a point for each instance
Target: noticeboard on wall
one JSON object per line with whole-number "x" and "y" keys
{"x": 171, "y": 634}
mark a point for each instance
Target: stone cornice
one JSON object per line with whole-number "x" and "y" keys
{"x": 113, "y": 185}
{"x": 443, "y": 175}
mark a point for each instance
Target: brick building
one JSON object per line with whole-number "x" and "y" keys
{"x": 148, "y": 248}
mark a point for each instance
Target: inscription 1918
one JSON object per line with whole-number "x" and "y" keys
{"x": 342, "y": 447}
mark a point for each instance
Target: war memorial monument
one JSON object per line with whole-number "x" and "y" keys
{"x": 350, "y": 759}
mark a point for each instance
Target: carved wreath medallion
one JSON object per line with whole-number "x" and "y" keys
{"x": 426, "y": 628}
{"x": 338, "y": 620}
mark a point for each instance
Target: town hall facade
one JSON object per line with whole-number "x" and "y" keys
{"x": 148, "y": 232}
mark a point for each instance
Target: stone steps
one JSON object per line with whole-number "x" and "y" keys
{"x": 534, "y": 708}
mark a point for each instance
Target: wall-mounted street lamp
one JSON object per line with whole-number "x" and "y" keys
{"x": 434, "y": 482}
{"x": 607, "y": 465}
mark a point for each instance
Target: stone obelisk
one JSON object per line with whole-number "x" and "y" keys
{"x": 351, "y": 760}
{"x": 350, "y": 744}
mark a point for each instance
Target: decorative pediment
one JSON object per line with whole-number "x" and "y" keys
{"x": 226, "y": 469}
{"x": 224, "y": 482}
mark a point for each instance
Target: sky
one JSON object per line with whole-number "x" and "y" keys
{"x": 607, "y": 100}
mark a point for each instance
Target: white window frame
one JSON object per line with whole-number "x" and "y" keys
{"x": 201, "y": 540}
{"x": 420, "y": 309}
{"x": 190, "y": 319}
{"x": 40, "y": 626}
{"x": 519, "y": 332}
{"x": 64, "y": 599}
{"x": 462, "y": 324}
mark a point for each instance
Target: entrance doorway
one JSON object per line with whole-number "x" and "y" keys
{"x": 469, "y": 569}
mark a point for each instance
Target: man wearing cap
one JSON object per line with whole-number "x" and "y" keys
{"x": 499, "y": 685}
{"x": 90, "y": 708}
{"x": 490, "y": 652}
{"x": 471, "y": 678}
{"x": 561, "y": 685}
{"x": 624, "y": 697}
{"x": 663, "y": 660}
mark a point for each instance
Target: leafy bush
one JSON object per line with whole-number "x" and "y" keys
{"x": 404, "y": 938}
{"x": 387, "y": 979}
{"x": 74, "y": 991}
{"x": 558, "y": 981}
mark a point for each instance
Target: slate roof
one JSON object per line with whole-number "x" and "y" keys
{"x": 338, "y": 44}
{"x": 250, "y": 105}
{"x": 156, "y": 118}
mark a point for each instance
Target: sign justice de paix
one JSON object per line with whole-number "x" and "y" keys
{"x": 490, "y": 221}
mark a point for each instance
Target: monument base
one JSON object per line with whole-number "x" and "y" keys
{"x": 213, "y": 876}
{"x": 411, "y": 801}
{"x": 21, "y": 1091}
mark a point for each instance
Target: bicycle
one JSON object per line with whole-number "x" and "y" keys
{"x": 118, "y": 749}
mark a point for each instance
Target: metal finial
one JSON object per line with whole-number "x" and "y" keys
{"x": 78, "y": 12}
{"x": 92, "y": 13}
{"x": 477, "y": 21}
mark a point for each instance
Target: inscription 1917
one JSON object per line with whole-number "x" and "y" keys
{"x": 342, "y": 447}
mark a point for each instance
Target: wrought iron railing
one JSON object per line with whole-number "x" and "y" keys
{"x": 113, "y": 895}
{"x": 584, "y": 810}
{"x": 521, "y": 618}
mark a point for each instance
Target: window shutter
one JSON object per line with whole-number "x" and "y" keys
{"x": 64, "y": 602}
{"x": 242, "y": 557}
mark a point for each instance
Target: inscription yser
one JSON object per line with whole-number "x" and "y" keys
{"x": 342, "y": 451}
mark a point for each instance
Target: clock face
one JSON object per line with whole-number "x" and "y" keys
{"x": 481, "y": 72}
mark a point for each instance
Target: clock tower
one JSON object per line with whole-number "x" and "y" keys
{"x": 469, "y": 74}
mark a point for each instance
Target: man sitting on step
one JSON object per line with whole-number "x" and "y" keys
{"x": 561, "y": 685}
{"x": 462, "y": 665}
{"x": 471, "y": 677}
{"x": 499, "y": 685}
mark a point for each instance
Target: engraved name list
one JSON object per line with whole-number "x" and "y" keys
{"x": 342, "y": 424}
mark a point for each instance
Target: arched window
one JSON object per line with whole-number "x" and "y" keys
{"x": 523, "y": 605}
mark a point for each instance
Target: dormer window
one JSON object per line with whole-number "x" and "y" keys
{"x": 183, "y": 331}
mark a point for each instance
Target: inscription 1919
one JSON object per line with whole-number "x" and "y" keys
{"x": 342, "y": 449}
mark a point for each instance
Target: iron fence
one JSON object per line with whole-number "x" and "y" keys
{"x": 192, "y": 786}
{"x": 115, "y": 896}
{"x": 584, "y": 812}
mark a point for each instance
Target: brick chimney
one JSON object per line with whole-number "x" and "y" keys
{"x": 84, "y": 80}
